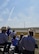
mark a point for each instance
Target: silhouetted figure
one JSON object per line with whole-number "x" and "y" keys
{"x": 20, "y": 46}
{"x": 28, "y": 43}
{"x": 8, "y": 31}
{"x": 3, "y": 37}
{"x": 21, "y": 36}
{"x": 15, "y": 43}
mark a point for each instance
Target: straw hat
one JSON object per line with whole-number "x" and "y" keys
{"x": 3, "y": 28}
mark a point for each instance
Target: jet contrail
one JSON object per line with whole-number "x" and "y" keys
{"x": 11, "y": 12}
{"x": 4, "y": 4}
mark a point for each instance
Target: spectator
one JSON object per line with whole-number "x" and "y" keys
{"x": 15, "y": 41}
{"x": 3, "y": 36}
{"x": 28, "y": 44}
{"x": 8, "y": 31}
{"x": 4, "y": 39}
{"x": 21, "y": 36}
{"x": 20, "y": 46}
{"x": 12, "y": 34}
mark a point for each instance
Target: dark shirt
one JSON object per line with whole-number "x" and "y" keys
{"x": 28, "y": 43}
{"x": 8, "y": 32}
{"x": 3, "y": 38}
{"x": 15, "y": 42}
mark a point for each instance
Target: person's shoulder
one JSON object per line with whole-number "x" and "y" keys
{"x": 33, "y": 38}
{"x": 1, "y": 33}
{"x": 25, "y": 36}
{"x": 5, "y": 33}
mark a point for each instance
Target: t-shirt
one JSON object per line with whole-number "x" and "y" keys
{"x": 14, "y": 42}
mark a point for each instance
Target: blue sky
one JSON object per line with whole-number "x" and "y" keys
{"x": 19, "y": 13}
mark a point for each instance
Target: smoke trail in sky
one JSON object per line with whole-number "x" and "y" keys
{"x": 11, "y": 12}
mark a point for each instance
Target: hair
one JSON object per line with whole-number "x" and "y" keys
{"x": 30, "y": 33}
{"x": 14, "y": 37}
{"x": 13, "y": 30}
{"x": 3, "y": 31}
{"x": 21, "y": 36}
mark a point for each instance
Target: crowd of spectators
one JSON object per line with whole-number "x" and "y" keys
{"x": 24, "y": 45}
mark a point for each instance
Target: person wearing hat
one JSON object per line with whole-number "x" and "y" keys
{"x": 3, "y": 35}
{"x": 4, "y": 38}
{"x": 28, "y": 43}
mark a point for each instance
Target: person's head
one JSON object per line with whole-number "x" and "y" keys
{"x": 3, "y": 29}
{"x": 8, "y": 28}
{"x": 13, "y": 30}
{"x": 14, "y": 33}
{"x": 30, "y": 32}
{"x": 14, "y": 37}
{"x": 21, "y": 35}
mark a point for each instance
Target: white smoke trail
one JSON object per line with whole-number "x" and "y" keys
{"x": 11, "y": 12}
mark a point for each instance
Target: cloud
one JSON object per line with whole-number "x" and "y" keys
{"x": 4, "y": 4}
{"x": 30, "y": 10}
{"x": 9, "y": 19}
{"x": 21, "y": 21}
{"x": 1, "y": 19}
{"x": 5, "y": 11}
{"x": 27, "y": 17}
{"x": 17, "y": 21}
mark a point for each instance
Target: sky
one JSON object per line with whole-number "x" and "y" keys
{"x": 19, "y": 13}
